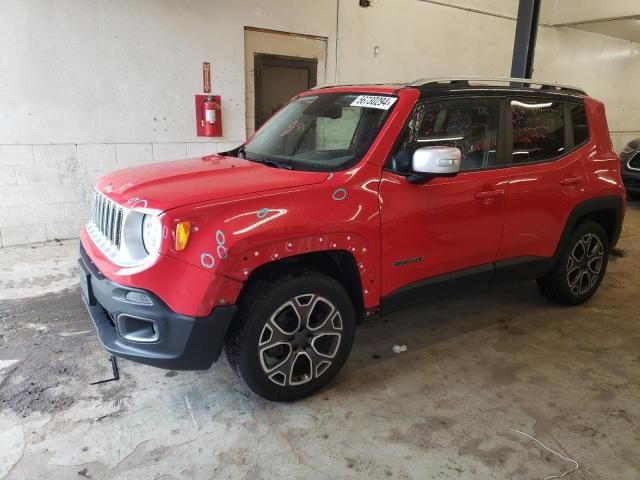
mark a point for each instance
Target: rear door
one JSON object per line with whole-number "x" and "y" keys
{"x": 448, "y": 224}
{"x": 546, "y": 139}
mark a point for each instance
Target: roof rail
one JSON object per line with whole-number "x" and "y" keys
{"x": 467, "y": 81}
{"x": 352, "y": 84}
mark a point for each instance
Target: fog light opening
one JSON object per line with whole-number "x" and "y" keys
{"x": 136, "y": 329}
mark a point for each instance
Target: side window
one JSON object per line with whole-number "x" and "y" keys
{"x": 579, "y": 121}
{"x": 538, "y": 130}
{"x": 468, "y": 124}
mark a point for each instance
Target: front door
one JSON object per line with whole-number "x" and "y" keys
{"x": 448, "y": 225}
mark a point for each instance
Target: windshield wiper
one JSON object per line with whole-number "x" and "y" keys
{"x": 272, "y": 163}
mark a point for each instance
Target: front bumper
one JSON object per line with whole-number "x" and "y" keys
{"x": 178, "y": 342}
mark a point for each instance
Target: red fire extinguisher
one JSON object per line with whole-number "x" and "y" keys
{"x": 210, "y": 109}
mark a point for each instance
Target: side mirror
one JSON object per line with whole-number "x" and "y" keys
{"x": 430, "y": 162}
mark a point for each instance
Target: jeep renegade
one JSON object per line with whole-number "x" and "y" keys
{"x": 350, "y": 201}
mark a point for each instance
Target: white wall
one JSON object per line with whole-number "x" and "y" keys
{"x": 420, "y": 39}
{"x": 425, "y": 39}
{"x": 94, "y": 85}
{"x": 126, "y": 71}
{"x": 575, "y": 11}
{"x": 607, "y": 68}
{"x": 90, "y": 86}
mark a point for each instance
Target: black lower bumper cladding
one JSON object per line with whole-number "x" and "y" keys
{"x": 181, "y": 343}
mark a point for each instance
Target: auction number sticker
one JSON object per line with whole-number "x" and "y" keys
{"x": 374, "y": 101}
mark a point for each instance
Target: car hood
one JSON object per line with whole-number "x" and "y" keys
{"x": 168, "y": 185}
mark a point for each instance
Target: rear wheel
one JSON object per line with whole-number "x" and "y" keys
{"x": 291, "y": 336}
{"x": 580, "y": 268}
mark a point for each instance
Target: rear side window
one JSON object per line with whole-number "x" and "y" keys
{"x": 579, "y": 121}
{"x": 538, "y": 130}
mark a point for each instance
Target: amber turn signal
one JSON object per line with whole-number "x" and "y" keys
{"x": 183, "y": 229}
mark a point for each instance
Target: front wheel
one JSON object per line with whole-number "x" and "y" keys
{"x": 292, "y": 335}
{"x": 580, "y": 268}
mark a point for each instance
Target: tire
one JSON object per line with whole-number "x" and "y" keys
{"x": 291, "y": 336}
{"x": 580, "y": 268}
{"x": 632, "y": 197}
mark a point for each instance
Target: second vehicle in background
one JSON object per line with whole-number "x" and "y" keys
{"x": 630, "y": 169}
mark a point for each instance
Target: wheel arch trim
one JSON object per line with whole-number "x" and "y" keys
{"x": 589, "y": 208}
{"x": 351, "y": 259}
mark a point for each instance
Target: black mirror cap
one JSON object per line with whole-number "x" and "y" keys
{"x": 422, "y": 178}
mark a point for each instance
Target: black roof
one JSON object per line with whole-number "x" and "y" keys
{"x": 482, "y": 85}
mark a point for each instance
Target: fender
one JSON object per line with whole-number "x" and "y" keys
{"x": 588, "y": 207}
{"x": 241, "y": 263}
{"x": 232, "y": 238}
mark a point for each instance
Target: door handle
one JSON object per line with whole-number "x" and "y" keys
{"x": 486, "y": 194}
{"x": 572, "y": 180}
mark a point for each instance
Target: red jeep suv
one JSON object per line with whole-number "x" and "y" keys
{"x": 350, "y": 201}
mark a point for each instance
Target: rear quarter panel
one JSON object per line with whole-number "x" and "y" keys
{"x": 602, "y": 164}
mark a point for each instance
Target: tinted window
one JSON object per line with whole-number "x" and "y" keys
{"x": 468, "y": 124}
{"x": 538, "y": 130}
{"x": 579, "y": 120}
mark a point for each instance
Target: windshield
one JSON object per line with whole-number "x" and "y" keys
{"x": 325, "y": 132}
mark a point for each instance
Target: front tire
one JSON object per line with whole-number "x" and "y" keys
{"x": 581, "y": 267}
{"x": 291, "y": 336}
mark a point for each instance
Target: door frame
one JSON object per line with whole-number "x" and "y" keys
{"x": 261, "y": 60}
{"x": 277, "y": 42}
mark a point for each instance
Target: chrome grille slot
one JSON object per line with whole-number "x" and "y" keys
{"x": 118, "y": 227}
{"x": 107, "y": 216}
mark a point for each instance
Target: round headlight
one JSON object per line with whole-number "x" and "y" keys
{"x": 151, "y": 233}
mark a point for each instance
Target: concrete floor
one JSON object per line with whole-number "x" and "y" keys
{"x": 475, "y": 368}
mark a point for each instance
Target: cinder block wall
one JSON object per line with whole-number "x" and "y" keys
{"x": 45, "y": 189}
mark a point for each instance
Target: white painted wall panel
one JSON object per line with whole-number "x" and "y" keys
{"x": 107, "y": 71}
{"x": 498, "y": 7}
{"x": 607, "y": 68}
{"x": 574, "y": 11}
{"x": 420, "y": 39}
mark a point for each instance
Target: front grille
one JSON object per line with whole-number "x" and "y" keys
{"x": 634, "y": 163}
{"x": 107, "y": 217}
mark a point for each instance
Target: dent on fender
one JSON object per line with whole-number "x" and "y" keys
{"x": 233, "y": 244}
{"x": 354, "y": 244}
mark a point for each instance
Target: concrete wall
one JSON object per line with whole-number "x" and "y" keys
{"x": 426, "y": 38}
{"x": 88, "y": 87}
{"x": 607, "y": 68}
{"x": 576, "y": 11}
